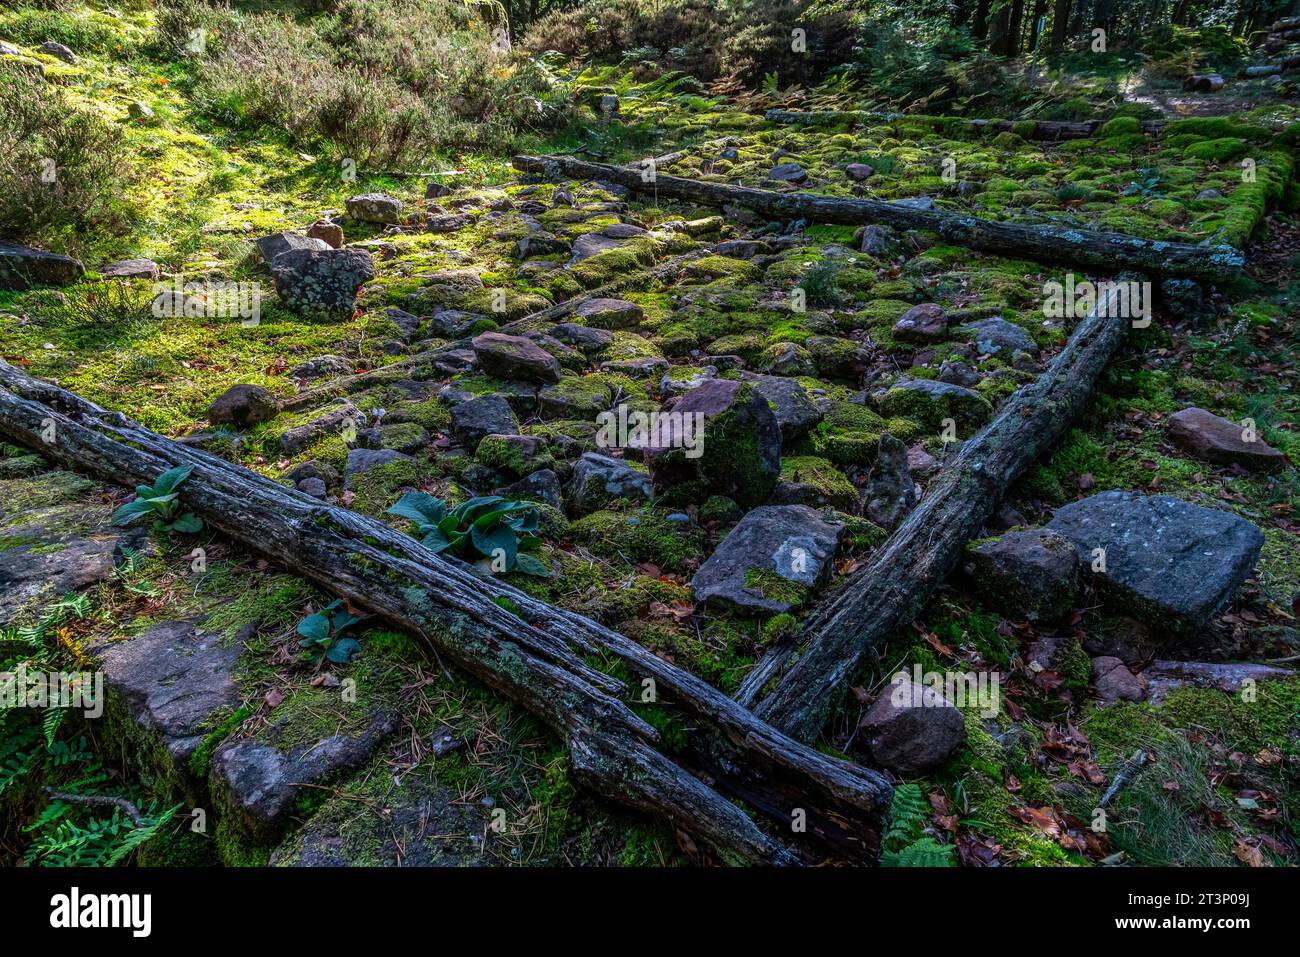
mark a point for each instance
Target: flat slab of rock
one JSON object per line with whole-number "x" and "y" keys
{"x": 361, "y": 461}
{"x": 174, "y": 677}
{"x": 1228, "y": 677}
{"x": 1167, "y": 562}
{"x": 593, "y": 244}
{"x": 130, "y": 269}
{"x": 1031, "y": 575}
{"x": 772, "y": 544}
{"x": 514, "y": 357}
{"x": 610, "y": 313}
{"x": 1213, "y": 438}
{"x": 276, "y": 243}
{"x": 485, "y": 415}
{"x": 998, "y": 336}
{"x": 22, "y": 267}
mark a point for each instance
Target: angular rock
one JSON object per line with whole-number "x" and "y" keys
{"x": 449, "y": 223}
{"x": 1030, "y": 575}
{"x": 243, "y": 405}
{"x": 999, "y": 336}
{"x": 924, "y": 323}
{"x": 1114, "y": 682}
{"x": 794, "y": 410}
{"x": 878, "y": 241}
{"x": 540, "y": 486}
{"x": 22, "y": 267}
{"x": 610, "y": 313}
{"x": 770, "y": 561}
{"x": 859, "y": 171}
{"x": 734, "y": 450}
{"x": 1167, "y": 562}
{"x": 1215, "y": 439}
{"x": 912, "y": 729}
{"x": 331, "y": 234}
{"x": 294, "y": 440}
{"x": 276, "y": 243}
{"x": 374, "y": 208}
{"x": 514, "y": 357}
{"x": 485, "y": 415}
{"x": 453, "y": 323}
{"x": 256, "y": 783}
{"x": 598, "y": 480}
{"x": 541, "y": 244}
{"x": 590, "y": 341}
{"x": 324, "y": 281}
{"x": 890, "y": 493}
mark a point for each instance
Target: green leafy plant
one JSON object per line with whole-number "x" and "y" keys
{"x": 905, "y": 843}
{"x": 503, "y": 532}
{"x": 1146, "y": 185}
{"x": 323, "y": 633}
{"x": 160, "y": 501}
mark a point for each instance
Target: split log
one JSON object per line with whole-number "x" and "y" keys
{"x": 1051, "y": 130}
{"x": 1111, "y": 252}
{"x": 535, "y": 321}
{"x": 892, "y": 588}
{"x": 534, "y": 657}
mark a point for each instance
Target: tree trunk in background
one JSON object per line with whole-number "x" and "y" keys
{"x": 998, "y": 28}
{"x": 1015, "y": 28}
{"x": 980, "y": 28}
{"x": 1060, "y": 24}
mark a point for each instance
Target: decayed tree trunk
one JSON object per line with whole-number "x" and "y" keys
{"x": 891, "y": 589}
{"x": 1112, "y": 252}
{"x": 534, "y": 657}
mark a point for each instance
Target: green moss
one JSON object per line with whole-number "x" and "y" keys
{"x": 643, "y": 536}
{"x": 776, "y": 587}
{"x": 826, "y": 485}
{"x": 198, "y": 763}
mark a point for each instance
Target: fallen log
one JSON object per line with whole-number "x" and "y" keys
{"x": 893, "y": 587}
{"x": 1203, "y": 83}
{"x": 534, "y": 656}
{"x": 540, "y": 321}
{"x": 1111, "y": 252}
{"x": 1051, "y": 130}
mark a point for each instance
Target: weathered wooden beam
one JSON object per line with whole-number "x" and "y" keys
{"x": 536, "y": 657}
{"x": 892, "y": 588}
